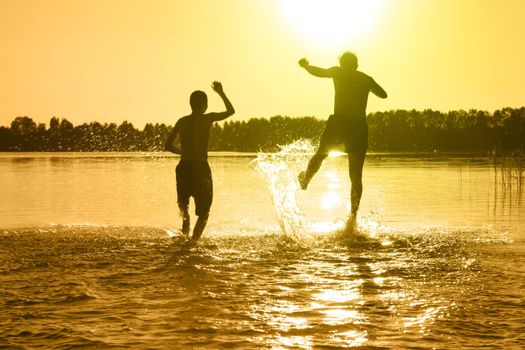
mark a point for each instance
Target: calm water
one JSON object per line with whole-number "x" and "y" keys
{"x": 90, "y": 257}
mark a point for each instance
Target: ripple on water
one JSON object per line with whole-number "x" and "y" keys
{"x": 101, "y": 286}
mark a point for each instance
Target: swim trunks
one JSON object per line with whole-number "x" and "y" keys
{"x": 352, "y": 132}
{"x": 194, "y": 180}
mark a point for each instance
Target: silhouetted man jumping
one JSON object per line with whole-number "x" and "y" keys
{"x": 193, "y": 172}
{"x": 347, "y": 125}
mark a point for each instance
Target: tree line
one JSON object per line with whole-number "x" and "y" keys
{"x": 390, "y": 131}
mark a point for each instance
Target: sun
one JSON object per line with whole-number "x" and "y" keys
{"x": 330, "y": 23}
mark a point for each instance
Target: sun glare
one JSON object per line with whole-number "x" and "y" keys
{"x": 335, "y": 154}
{"x": 330, "y": 23}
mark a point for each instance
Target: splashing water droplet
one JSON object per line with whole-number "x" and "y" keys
{"x": 281, "y": 169}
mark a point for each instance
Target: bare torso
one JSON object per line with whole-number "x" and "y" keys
{"x": 351, "y": 92}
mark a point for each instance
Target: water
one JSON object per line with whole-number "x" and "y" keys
{"x": 86, "y": 258}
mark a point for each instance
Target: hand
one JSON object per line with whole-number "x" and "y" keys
{"x": 217, "y": 86}
{"x": 303, "y": 62}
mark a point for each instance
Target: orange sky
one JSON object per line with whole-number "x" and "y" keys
{"x": 138, "y": 60}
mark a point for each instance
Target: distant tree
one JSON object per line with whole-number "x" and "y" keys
{"x": 65, "y": 132}
{"x": 153, "y": 137}
{"x": 23, "y": 130}
{"x": 127, "y": 137}
{"x": 397, "y": 130}
{"x": 53, "y": 134}
{"x": 6, "y": 141}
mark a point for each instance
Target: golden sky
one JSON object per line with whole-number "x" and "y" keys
{"x": 139, "y": 60}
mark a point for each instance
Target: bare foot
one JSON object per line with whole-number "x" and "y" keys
{"x": 351, "y": 223}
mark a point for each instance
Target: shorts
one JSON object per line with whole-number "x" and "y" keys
{"x": 194, "y": 180}
{"x": 341, "y": 129}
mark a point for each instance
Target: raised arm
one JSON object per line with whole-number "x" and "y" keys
{"x": 217, "y": 86}
{"x": 317, "y": 71}
{"x": 378, "y": 90}
{"x": 170, "y": 141}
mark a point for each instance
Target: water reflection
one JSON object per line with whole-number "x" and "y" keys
{"x": 393, "y": 288}
{"x": 423, "y": 321}
{"x": 281, "y": 342}
{"x": 362, "y": 292}
{"x": 352, "y": 338}
{"x": 332, "y": 197}
{"x": 341, "y": 316}
{"x": 337, "y": 291}
{"x": 325, "y": 226}
{"x": 330, "y": 200}
{"x": 339, "y": 296}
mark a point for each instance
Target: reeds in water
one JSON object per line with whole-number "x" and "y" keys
{"x": 510, "y": 169}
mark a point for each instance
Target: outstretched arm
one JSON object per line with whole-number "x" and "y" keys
{"x": 378, "y": 90}
{"x": 317, "y": 71}
{"x": 217, "y": 86}
{"x": 170, "y": 141}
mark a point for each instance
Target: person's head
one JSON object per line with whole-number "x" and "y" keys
{"x": 348, "y": 60}
{"x": 198, "y": 101}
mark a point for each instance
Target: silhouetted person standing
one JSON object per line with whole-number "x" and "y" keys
{"x": 193, "y": 172}
{"x": 347, "y": 125}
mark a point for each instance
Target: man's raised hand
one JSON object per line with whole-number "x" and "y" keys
{"x": 217, "y": 86}
{"x": 303, "y": 62}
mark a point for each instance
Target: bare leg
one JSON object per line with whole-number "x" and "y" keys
{"x": 313, "y": 167}
{"x": 327, "y": 140}
{"x": 355, "y": 169}
{"x": 185, "y": 219}
{"x": 199, "y": 227}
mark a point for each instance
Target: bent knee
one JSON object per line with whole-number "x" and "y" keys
{"x": 320, "y": 155}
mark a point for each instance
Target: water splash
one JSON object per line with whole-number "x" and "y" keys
{"x": 281, "y": 169}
